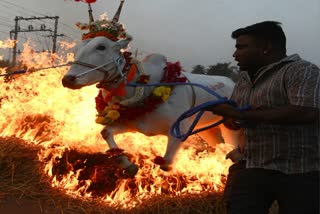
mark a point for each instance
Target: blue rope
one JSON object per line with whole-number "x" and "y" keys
{"x": 200, "y": 109}
{"x": 175, "y": 128}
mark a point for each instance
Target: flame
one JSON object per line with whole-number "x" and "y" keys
{"x": 7, "y": 43}
{"x": 35, "y": 107}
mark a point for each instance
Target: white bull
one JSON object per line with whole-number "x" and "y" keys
{"x": 101, "y": 60}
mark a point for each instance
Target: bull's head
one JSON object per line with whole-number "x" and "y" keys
{"x": 97, "y": 60}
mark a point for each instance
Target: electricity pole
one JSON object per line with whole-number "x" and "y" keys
{"x": 14, "y": 54}
{"x": 54, "y": 37}
{"x": 17, "y": 29}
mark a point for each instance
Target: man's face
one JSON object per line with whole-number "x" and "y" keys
{"x": 248, "y": 54}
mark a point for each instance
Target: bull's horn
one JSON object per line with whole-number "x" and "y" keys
{"x": 90, "y": 13}
{"x": 117, "y": 15}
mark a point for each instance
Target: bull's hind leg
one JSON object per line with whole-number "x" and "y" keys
{"x": 212, "y": 136}
{"x": 130, "y": 169}
{"x": 231, "y": 138}
{"x": 172, "y": 148}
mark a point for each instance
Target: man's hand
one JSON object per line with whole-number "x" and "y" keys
{"x": 226, "y": 111}
{"x": 231, "y": 124}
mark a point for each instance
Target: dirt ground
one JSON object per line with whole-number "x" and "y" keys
{"x": 23, "y": 206}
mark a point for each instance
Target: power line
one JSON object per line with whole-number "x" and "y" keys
{"x": 5, "y": 19}
{"x": 43, "y": 28}
{"x": 3, "y": 32}
{"x": 23, "y": 10}
{"x": 5, "y": 24}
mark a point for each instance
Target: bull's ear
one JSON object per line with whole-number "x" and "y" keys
{"x": 123, "y": 44}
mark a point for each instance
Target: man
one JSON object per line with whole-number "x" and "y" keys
{"x": 282, "y": 128}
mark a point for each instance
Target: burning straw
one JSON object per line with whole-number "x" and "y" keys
{"x": 21, "y": 175}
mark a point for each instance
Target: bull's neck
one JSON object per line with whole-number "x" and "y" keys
{"x": 122, "y": 71}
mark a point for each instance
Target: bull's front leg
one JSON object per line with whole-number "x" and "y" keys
{"x": 173, "y": 145}
{"x": 130, "y": 169}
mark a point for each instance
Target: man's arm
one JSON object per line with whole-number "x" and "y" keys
{"x": 277, "y": 115}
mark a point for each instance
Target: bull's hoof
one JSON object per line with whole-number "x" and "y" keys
{"x": 159, "y": 160}
{"x": 165, "y": 167}
{"x": 130, "y": 171}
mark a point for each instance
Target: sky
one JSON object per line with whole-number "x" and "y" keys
{"x": 190, "y": 31}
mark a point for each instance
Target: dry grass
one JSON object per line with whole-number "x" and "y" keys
{"x": 22, "y": 178}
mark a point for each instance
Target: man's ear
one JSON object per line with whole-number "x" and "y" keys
{"x": 267, "y": 47}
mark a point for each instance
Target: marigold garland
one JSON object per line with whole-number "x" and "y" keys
{"x": 91, "y": 35}
{"x": 106, "y": 28}
{"x": 109, "y": 110}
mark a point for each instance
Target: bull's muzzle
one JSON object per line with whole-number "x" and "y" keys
{"x": 68, "y": 81}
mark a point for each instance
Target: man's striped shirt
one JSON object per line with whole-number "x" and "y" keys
{"x": 286, "y": 148}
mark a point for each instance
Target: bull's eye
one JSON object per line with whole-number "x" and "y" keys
{"x": 101, "y": 48}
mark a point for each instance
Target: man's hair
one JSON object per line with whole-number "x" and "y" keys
{"x": 268, "y": 31}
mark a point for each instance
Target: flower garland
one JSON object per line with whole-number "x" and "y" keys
{"x": 110, "y": 110}
{"x": 106, "y": 28}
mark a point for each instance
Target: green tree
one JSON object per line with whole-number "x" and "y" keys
{"x": 224, "y": 69}
{"x": 198, "y": 69}
{"x": 220, "y": 69}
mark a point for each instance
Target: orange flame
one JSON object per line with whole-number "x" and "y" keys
{"x": 35, "y": 107}
{"x": 7, "y": 43}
